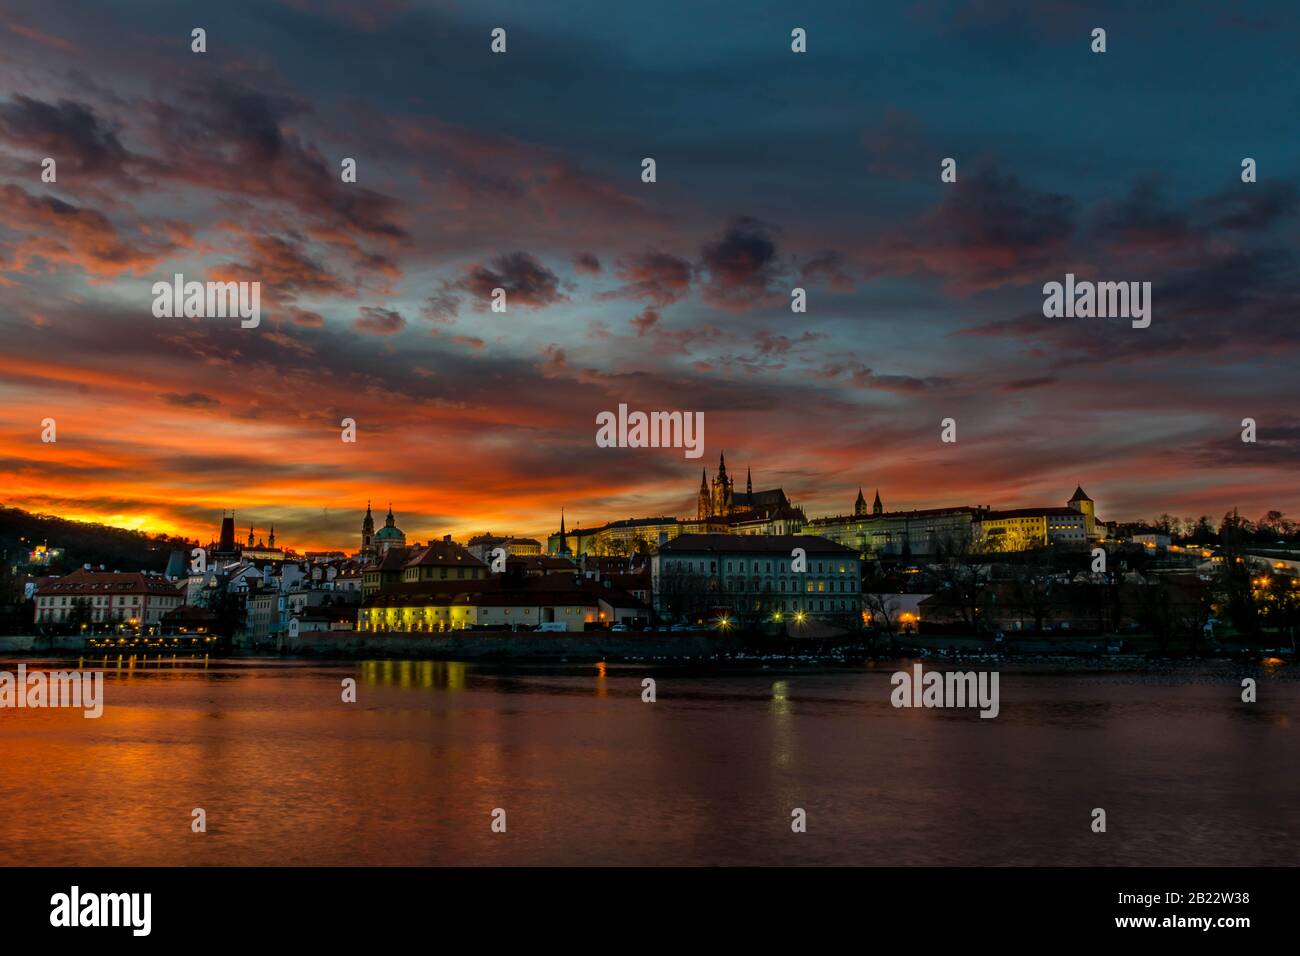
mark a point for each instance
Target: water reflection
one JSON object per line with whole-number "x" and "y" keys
{"x": 708, "y": 773}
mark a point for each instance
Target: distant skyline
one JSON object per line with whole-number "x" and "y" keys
{"x": 523, "y": 171}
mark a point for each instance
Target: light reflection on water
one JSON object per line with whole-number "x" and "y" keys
{"x": 589, "y": 774}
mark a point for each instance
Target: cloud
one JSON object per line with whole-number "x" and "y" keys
{"x": 442, "y": 306}
{"x": 527, "y": 283}
{"x": 657, "y": 277}
{"x": 284, "y": 268}
{"x": 61, "y": 233}
{"x": 741, "y": 265}
{"x": 988, "y": 231}
{"x": 586, "y": 263}
{"x": 827, "y": 268}
{"x": 70, "y": 132}
{"x": 190, "y": 400}
{"x": 645, "y": 320}
{"x": 899, "y": 384}
{"x": 377, "y": 321}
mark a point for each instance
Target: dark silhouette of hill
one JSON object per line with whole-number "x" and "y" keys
{"x": 84, "y": 543}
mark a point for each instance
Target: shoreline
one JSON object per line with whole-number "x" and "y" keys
{"x": 690, "y": 651}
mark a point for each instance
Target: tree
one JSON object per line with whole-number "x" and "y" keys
{"x": 1032, "y": 586}
{"x": 961, "y": 575}
{"x": 682, "y": 593}
{"x": 1235, "y": 582}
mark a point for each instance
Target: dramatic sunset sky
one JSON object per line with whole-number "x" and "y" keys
{"x": 522, "y": 171}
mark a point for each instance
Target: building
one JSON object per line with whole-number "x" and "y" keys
{"x": 720, "y": 509}
{"x": 438, "y": 561}
{"x": 43, "y": 555}
{"x": 756, "y": 577}
{"x": 1021, "y": 529}
{"x": 107, "y": 597}
{"x": 899, "y": 534}
{"x": 436, "y": 606}
{"x": 482, "y": 545}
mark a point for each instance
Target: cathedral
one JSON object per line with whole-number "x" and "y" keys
{"x": 719, "y": 501}
{"x": 375, "y": 544}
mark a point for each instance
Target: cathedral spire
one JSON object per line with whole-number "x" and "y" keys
{"x": 722, "y": 464}
{"x": 877, "y": 507}
{"x": 564, "y": 540}
{"x": 749, "y": 482}
{"x": 704, "y": 479}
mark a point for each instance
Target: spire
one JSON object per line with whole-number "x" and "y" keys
{"x": 704, "y": 482}
{"x": 564, "y": 541}
{"x": 390, "y": 521}
{"x": 877, "y": 507}
{"x": 722, "y": 464}
{"x": 860, "y": 506}
{"x": 749, "y": 482}
{"x": 271, "y": 539}
{"x": 368, "y": 515}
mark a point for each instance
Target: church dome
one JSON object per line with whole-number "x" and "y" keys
{"x": 389, "y": 533}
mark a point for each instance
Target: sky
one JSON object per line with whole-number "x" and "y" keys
{"x": 523, "y": 171}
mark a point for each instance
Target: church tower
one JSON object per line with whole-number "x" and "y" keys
{"x": 270, "y": 542}
{"x": 564, "y": 539}
{"x": 704, "y": 505}
{"x": 367, "y": 531}
{"x": 860, "y": 506}
{"x": 877, "y": 508}
{"x": 722, "y": 499}
{"x": 250, "y": 537}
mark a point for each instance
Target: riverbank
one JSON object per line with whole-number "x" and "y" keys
{"x": 670, "y": 648}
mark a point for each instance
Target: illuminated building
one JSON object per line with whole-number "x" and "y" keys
{"x": 1023, "y": 528}
{"x": 493, "y": 602}
{"x": 107, "y": 597}
{"x": 895, "y": 533}
{"x": 756, "y": 576}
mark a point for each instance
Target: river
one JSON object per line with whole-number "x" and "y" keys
{"x": 587, "y": 772}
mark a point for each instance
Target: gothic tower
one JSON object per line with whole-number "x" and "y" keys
{"x": 564, "y": 540}
{"x": 860, "y": 506}
{"x": 704, "y": 505}
{"x": 722, "y": 496}
{"x": 877, "y": 508}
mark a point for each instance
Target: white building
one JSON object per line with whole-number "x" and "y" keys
{"x": 103, "y": 597}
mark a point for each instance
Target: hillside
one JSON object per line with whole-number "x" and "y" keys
{"x": 84, "y": 543}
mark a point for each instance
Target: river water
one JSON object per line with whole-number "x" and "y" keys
{"x": 586, "y": 772}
